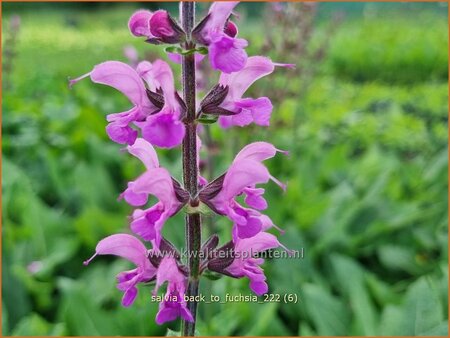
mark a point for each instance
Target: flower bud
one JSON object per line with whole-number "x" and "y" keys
{"x": 165, "y": 29}
{"x": 210, "y": 245}
{"x": 222, "y": 258}
{"x": 138, "y": 23}
{"x": 210, "y": 104}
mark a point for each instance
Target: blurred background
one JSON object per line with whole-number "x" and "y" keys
{"x": 364, "y": 116}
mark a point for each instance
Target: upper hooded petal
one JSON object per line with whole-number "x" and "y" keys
{"x": 257, "y": 151}
{"x": 242, "y": 174}
{"x": 122, "y": 77}
{"x": 125, "y": 246}
{"x": 159, "y": 75}
{"x": 145, "y": 71}
{"x": 258, "y": 243}
{"x": 157, "y": 182}
{"x": 163, "y": 75}
{"x": 219, "y": 12}
{"x": 144, "y": 151}
{"x": 255, "y": 68}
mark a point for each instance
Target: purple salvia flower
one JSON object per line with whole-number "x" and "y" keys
{"x": 147, "y": 154}
{"x": 242, "y": 176}
{"x": 246, "y": 265}
{"x": 164, "y": 28}
{"x": 159, "y": 115}
{"x": 125, "y": 79}
{"x": 226, "y": 52}
{"x": 247, "y": 110}
{"x": 258, "y": 152}
{"x": 155, "y": 181}
{"x": 157, "y": 27}
{"x": 148, "y": 223}
{"x": 130, "y": 248}
{"x": 164, "y": 128}
{"x": 173, "y": 305}
{"x": 160, "y": 126}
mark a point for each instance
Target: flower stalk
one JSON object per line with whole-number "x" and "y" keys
{"x": 190, "y": 166}
{"x": 160, "y": 117}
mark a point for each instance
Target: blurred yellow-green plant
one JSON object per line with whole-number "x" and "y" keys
{"x": 367, "y": 178}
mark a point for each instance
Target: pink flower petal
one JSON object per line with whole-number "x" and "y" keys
{"x": 168, "y": 272}
{"x": 257, "y": 151}
{"x": 227, "y": 54}
{"x": 255, "y": 68}
{"x": 259, "y": 109}
{"x": 219, "y": 12}
{"x": 144, "y": 225}
{"x": 157, "y": 182}
{"x": 160, "y": 25}
{"x": 258, "y": 287}
{"x": 144, "y": 151}
{"x": 122, "y": 77}
{"x": 133, "y": 198}
{"x": 163, "y": 130}
{"x": 139, "y": 23}
{"x": 129, "y": 296}
{"x": 254, "y": 198}
{"x": 121, "y": 134}
{"x": 125, "y": 246}
{"x": 242, "y": 174}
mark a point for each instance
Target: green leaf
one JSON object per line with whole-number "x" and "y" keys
{"x": 267, "y": 322}
{"x": 350, "y": 277}
{"x": 392, "y": 321}
{"x": 173, "y": 49}
{"x": 422, "y": 307}
{"x": 208, "y": 120}
{"x": 420, "y": 314}
{"x": 32, "y": 325}
{"x": 83, "y": 318}
{"x": 5, "y": 324}
{"x": 329, "y": 315}
{"x": 202, "y": 50}
{"x": 188, "y": 52}
{"x": 178, "y": 50}
{"x": 440, "y": 330}
{"x": 396, "y": 257}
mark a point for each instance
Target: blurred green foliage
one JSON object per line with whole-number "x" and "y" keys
{"x": 409, "y": 55}
{"x": 366, "y": 198}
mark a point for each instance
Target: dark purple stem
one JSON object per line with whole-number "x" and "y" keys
{"x": 190, "y": 168}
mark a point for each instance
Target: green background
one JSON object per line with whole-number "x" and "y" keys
{"x": 367, "y": 175}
